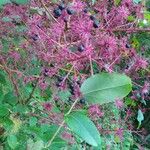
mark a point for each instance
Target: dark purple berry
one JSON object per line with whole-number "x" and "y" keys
{"x": 72, "y": 92}
{"x": 57, "y": 84}
{"x": 70, "y": 99}
{"x": 128, "y": 45}
{"x": 96, "y": 23}
{"x": 79, "y": 83}
{"x": 85, "y": 10}
{"x": 61, "y": 6}
{"x": 45, "y": 72}
{"x": 70, "y": 11}
{"x": 34, "y": 37}
{"x": 81, "y": 48}
{"x": 71, "y": 86}
{"x": 23, "y": 68}
{"x": 16, "y": 23}
{"x": 33, "y": 84}
{"x": 82, "y": 100}
{"x": 60, "y": 79}
{"x": 57, "y": 12}
{"x": 51, "y": 65}
{"x": 92, "y": 17}
{"x": 127, "y": 66}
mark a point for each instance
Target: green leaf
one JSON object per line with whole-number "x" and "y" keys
{"x": 136, "y": 1}
{"x": 6, "y": 19}
{"x": 58, "y": 144}
{"x": 10, "y": 98}
{"x": 64, "y": 95}
{"x": 1, "y": 94}
{"x": 84, "y": 128}
{"x": 38, "y": 145}
{"x": 20, "y": 1}
{"x": 48, "y": 132}
{"x": 22, "y": 109}
{"x": 130, "y": 102}
{"x": 12, "y": 141}
{"x": 104, "y": 88}
{"x": 7, "y": 123}
{"x": 117, "y": 2}
{"x": 2, "y": 78}
{"x": 131, "y": 18}
{"x": 140, "y": 117}
{"x": 54, "y": 1}
{"x": 33, "y": 121}
{"x": 3, "y": 2}
{"x": 3, "y": 111}
{"x": 5, "y": 45}
{"x": 93, "y": 2}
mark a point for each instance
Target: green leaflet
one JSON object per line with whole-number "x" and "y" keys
{"x": 104, "y": 88}
{"x": 81, "y": 125}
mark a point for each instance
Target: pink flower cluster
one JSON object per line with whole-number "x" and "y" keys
{"x": 95, "y": 111}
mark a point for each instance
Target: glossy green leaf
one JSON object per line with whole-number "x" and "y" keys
{"x": 104, "y": 88}
{"x": 12, "y": 141}
{"x": 81, "y": 125}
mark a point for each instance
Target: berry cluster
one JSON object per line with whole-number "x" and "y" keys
{"x": 70, "y": 11}
{"x": 58, "y": 11}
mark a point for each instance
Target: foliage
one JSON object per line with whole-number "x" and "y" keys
{"x": 95, "y": 90}
{"x": 74, "y": 75}
{"x": 82, "y": 126}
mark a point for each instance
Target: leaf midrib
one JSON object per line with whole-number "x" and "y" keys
{"x": 84, "y": 128}
{"x": 105, "y": 89}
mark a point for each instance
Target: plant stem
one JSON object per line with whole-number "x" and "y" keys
{"x": 10, "y": 75}
{"x": 91, "y": 66}
{"x": 61, "y": 125}
{"x": 32, "y": 92}
{"x": 126, "y": 30}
